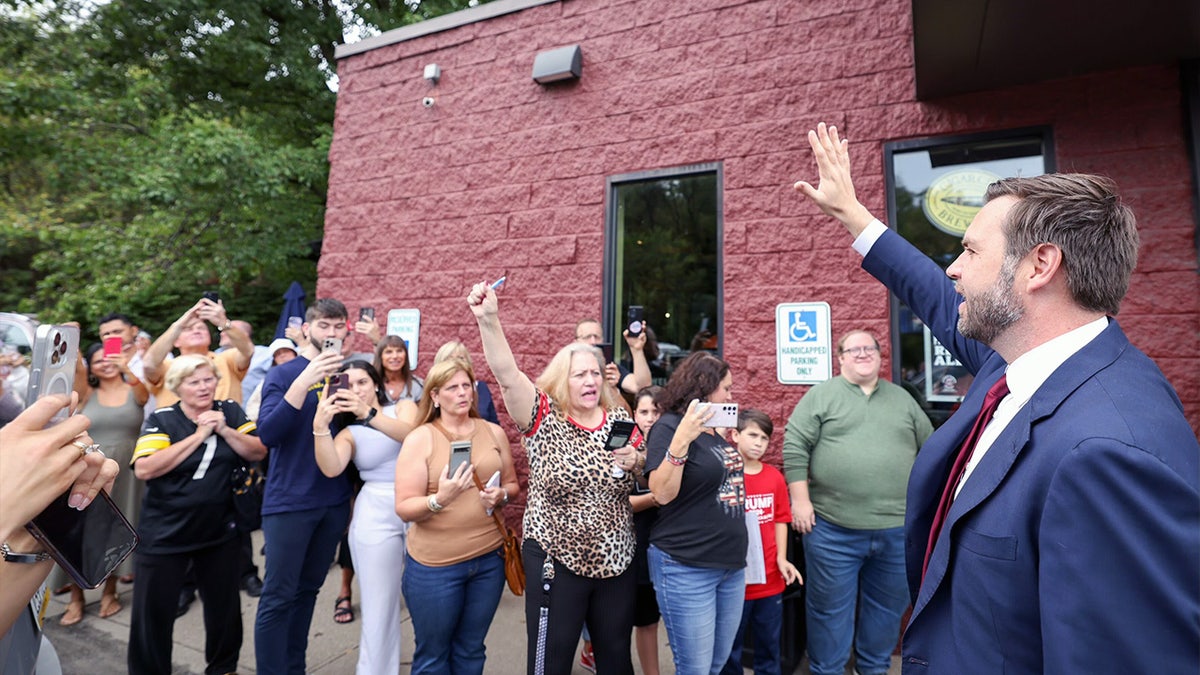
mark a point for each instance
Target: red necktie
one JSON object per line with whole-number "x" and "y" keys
{"x": 990, "y": 402}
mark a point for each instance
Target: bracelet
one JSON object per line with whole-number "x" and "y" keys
{"x": 222, "y": 329}
{"x": 676, "y": 461}
{"x": 327, "y": 433}
{"x": 433, "y": 504}
{"x": 505, "y": 497}
{"x": 25, "y": 558}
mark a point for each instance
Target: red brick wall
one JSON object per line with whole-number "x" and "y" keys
{"x": 503, "y": 174}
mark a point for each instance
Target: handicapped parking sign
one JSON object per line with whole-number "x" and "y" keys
{"x": 803, "y": 344}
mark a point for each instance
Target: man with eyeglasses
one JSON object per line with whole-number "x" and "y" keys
{"x": 847, "y": 452}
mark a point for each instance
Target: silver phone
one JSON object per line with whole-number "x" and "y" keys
{"x": 725, "y": 415}
{"x": 460, "y": 453}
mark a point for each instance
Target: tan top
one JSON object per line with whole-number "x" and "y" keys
{"x": 229, "y": 386}
{"x": 462, "y": 530}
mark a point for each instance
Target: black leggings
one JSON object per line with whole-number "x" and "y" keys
{"x": 605, "y": 604}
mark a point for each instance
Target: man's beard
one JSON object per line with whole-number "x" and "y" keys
{"x": 988, "y": 315}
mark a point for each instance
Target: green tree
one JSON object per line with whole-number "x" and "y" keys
{"x": 153, "y": 149}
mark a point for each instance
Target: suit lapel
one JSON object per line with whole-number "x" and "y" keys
{"x": 1003, "y": 454}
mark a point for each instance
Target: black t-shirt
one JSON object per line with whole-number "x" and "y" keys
{"x": 705, "y": 525}
{"x": 190, "y": 507}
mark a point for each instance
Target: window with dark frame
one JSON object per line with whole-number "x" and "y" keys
{"x": 935, "y": 187}
{"x": 663, "y": 253}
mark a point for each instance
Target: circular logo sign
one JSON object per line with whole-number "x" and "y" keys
{"x": 954, "y": 198}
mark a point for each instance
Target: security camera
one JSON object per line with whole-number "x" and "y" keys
{"x": 428, "y": 101}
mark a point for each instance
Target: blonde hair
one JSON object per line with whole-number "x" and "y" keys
{"x": 182, "y": 368}
{"x": 452, "y": 350}
{"x": 438, "y": 376}
{"x": 554, "y": 379}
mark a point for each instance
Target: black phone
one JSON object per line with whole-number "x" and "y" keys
{"x": 637, "y": 318}
{"x": 366, "y": 314}
{"x": 619, "y": 435}
{"x": 212, "y": 295}
{"x": 460, "y": 453}
{"x": 606, "y": 349}
{"x": 338, "y": 381}
{"x": 87, "y": 544}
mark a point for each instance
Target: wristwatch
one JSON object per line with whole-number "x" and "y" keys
{"x": 222, "y": 329}
{"x": 366, "y": 421}
{"x": 25, "y": 558}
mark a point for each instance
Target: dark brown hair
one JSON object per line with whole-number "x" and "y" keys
{"x": 696, "y": 377}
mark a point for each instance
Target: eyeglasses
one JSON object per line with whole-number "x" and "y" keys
{"x": 860, "y": 351}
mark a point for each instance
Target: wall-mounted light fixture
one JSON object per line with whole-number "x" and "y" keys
{"x": 433, "y": 73}
{"x": 556, "y": 65}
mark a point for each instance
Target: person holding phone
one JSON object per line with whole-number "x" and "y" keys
{"x": 454, "y": 570}
{"x": 37, "y": 465}
{"x": 566, "y": 417}
{"x": 112, "y": 397}
{"x": 377, "y": 534}
{"x": 698, "y": 544}
{"x": 187, "y": 454}
{"x": 189, "y": 334}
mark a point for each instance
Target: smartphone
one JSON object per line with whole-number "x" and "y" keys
{"x": 87, "y": 544}
{"x": 607, "y": 349}
{"x": 725, "y": 415}
{"x": 212, "y": 295}
{"x": 113, "y": 345}
{"x": 338, "y": 381}
{"x": 295, "y": 321}
{"x": 52, "y": 371}
{"x": 366, "y": 314}
{"x": 460, "y": 453}
{"x": 637, "y": 318}
{"x": 620, "y": 435}
{"x": 332, "y": 345}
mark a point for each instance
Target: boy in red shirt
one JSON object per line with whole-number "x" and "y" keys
{"x": 766, "y": 496}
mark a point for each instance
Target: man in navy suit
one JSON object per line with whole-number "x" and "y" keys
{"x": 1071, "y": 543}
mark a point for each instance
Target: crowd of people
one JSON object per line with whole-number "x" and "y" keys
{"x": 1014, "y": 532}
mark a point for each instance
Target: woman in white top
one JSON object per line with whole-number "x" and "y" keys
{"x": 377, "y": 534}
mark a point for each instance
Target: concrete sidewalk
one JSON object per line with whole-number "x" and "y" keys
{"x": 98, "y": 645}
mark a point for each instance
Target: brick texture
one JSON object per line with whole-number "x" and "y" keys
{"x": 505, "y": 175}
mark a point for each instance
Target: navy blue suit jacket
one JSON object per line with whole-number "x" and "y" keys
{"x": 1074, "y": 547}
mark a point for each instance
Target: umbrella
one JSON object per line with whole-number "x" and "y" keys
{"x": 293, "y": 305}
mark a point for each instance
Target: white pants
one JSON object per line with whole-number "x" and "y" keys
{"x": 377, "y": 544}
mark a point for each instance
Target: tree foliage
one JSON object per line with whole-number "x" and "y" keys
{"x": 153, "y": 149}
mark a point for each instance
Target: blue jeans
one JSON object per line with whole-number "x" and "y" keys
{"x": 764, "y": 618}
{"x": 452, "y": 608}
{"x": 300, "y": 547}
{"x": 847, "y": 568}
{"x": 701, "y": 608}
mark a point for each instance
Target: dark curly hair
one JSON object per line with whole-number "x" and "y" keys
{"x": 696, "y": 377}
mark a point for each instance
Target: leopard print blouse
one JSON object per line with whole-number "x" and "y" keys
{"x": 577, "y": 510}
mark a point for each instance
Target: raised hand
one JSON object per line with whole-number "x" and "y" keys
{"x": 834, "y": 193}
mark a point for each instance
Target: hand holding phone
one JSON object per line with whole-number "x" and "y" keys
{"x": 725, "y": 415}
{"x": 366, "y": 314}
{"x": 52, "y": 371}
{"x": 619, "y": 435}
{"x": 113, "y": 345}
{"x": 332, "y": 344}
{"x": 460, "y": 453}
{"x": 337, "y": 382}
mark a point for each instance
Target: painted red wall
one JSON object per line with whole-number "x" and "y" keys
{"x": 503, "y": 174}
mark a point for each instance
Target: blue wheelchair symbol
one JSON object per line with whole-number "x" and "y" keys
{"x": 802, "y": 326}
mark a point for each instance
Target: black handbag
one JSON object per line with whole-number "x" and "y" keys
{"x": 248, "y": 482}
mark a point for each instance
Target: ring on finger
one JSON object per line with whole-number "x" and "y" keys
{"x": 85, "y": 449}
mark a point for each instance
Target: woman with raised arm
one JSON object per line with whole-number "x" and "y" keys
{"x": 454, "y": 572}
{"x": 578, "y": 522}
{"x": 377, "y": 534}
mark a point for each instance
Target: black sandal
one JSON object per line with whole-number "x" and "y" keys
{"x": 343, "y": 614}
